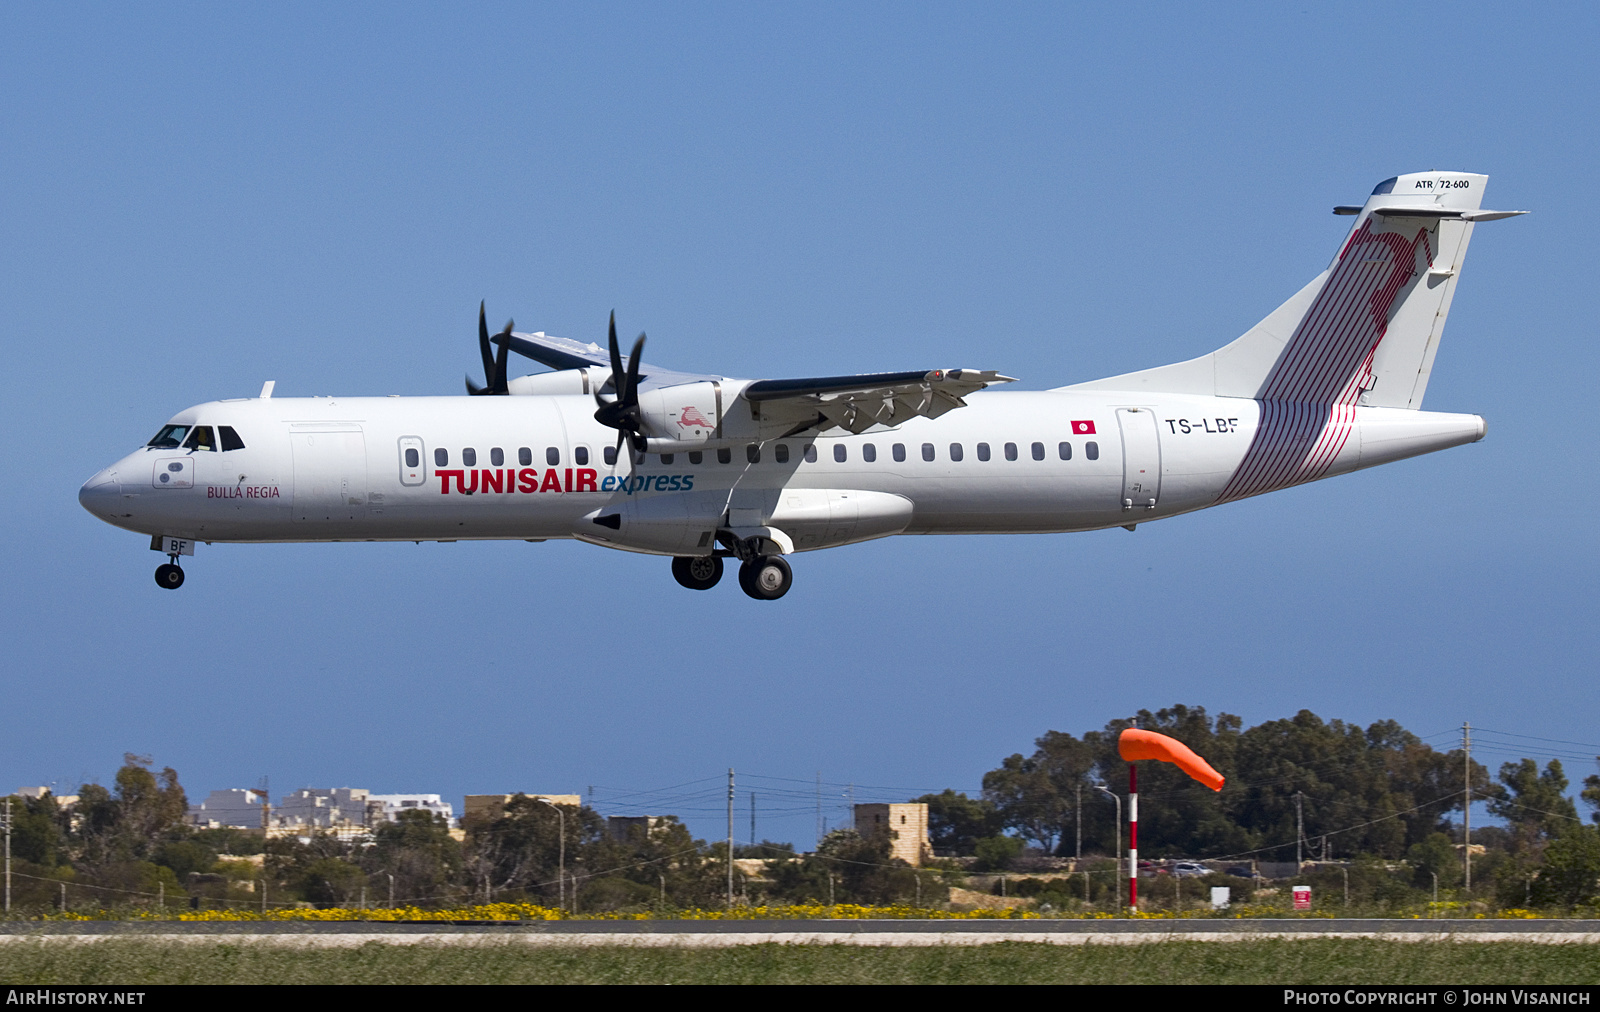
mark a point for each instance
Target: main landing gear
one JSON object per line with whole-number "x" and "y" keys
{"x": 763, "y": 577}
{"x": 697, "y": 572}
{"x": 168, "y": 575}
{"x": 766, "y": 577}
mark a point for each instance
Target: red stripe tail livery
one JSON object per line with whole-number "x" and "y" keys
{"x": 1309, "y": 397}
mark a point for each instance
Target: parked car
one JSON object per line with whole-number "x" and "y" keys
{"x": 1190, "y": 869}
{"x": 1241, "y": 871}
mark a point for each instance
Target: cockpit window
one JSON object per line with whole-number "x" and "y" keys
{"x": 200, "y": 438}
{"x": 230, "y": 438}
{"x": 169, "y": 438}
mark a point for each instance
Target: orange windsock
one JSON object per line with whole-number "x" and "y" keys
{"x": 1135, "y": 744}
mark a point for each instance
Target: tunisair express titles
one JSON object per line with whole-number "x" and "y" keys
{"x": 1329, "y": 382}
{"x": 582, "y": 479}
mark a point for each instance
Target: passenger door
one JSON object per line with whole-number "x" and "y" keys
{"x": 330, "y": 472}
{"x": 1141, "y": 458}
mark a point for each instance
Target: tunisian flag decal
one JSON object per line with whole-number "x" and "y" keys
{"x": 1082, "y": 428}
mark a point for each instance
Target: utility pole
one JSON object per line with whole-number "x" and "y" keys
{"x": 1466, "y": 803}
{"x": 819, "y": 808}
{"x": 561, "y": 868}
{"x": 730, "y": 837}
{"x": 1117, "y": 847}
{"x": 8, "y": 853}
{"x": 1077, "y": 826}
{"x": 1299, "y": 828}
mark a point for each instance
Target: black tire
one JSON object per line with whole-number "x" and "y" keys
{"x": 697, "y": 572}
{"x": 169, "y": 576}
{"x": 766, "y": 577}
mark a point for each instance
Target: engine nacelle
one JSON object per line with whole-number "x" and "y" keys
{"x": 673, "y": 523}
{"x": 540, "y": 384}
{"x": 822, "y": 518}
{"x": 688, "y": 413}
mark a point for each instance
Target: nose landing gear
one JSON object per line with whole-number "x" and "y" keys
{"x": 168, "y": 575}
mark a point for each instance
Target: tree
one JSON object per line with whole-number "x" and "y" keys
{"x": 1434, "y": 856}
{"x": 519, "y": 853}
{"x": 36, "y": 833}
{"x": 128, "y": 825}
{"x": 1571, "y": 868}
{"x": 416, "y": 855}
{"x": 331, "y": 882}
{"x": 956, "y": 822}
{"x": 652, "y": 863}
{"x": 1537, "y": 806}
{"x": 149, "y": 804}
{"x": 995, "y": 853}
{"x": 848, "y": 868}
{"x": 1023, "y": 794}
{"x": 1377, "y": 790}
{"x": 1591, "y": 793}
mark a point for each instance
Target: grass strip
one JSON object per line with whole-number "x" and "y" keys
{"x": 1272, "y": 961}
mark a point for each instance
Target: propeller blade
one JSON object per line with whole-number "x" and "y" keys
{"x": 633, "y": 371}
{"x": 497, "y": 380}
{"x": 472, "y": 388}
{"x": 622, "y": 412}
{"x": 616, "y": 356}
{"x": 488, "y": 354}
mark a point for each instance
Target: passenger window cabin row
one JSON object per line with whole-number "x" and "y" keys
{"x": 752, "y": 454}
{"x": 869, "y": 452}
{"x": 497, "y": 456}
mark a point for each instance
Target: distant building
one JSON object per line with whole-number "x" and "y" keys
{"x": 334, "y": 808}
{"x": 488, "y": 807}
{"x": 906, "y": 826}
{"x": 235, "y": 807}
{"x": 620, "y": 825}
{"x": 63, "y": 801}
{"x": 394, "y": 804}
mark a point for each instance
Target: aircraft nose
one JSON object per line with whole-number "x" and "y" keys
{"x": 99, "y": 494}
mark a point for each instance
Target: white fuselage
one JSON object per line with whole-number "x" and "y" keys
{"x": 336, "y": 469}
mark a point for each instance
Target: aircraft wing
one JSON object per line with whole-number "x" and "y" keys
{"x": 857, "y": 403}
{"x": 852, "y": 403}
{"x": 565, "y": 353}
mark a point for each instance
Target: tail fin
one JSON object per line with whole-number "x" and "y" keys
{"x": 1365, "y": 330}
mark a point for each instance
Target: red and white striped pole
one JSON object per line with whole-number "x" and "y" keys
{"x": 1133, "y": 838}
{"x": 1133, "y": 745}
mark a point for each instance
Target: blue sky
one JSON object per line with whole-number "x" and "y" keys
{"x": 196, "y": 198}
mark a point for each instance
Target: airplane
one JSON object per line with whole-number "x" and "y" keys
{"x": 703, "y": 468}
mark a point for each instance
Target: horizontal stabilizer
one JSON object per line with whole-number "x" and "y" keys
{"x": 1434, "y": 211}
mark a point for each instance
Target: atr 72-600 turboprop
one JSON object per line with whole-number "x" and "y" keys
{"x": 705, "y": 468}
